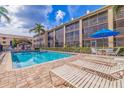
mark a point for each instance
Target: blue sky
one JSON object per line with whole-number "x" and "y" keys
{"x": 24, "y": 18}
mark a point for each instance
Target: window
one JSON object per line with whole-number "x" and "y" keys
{"x": 119, "y": 42}
{"x": 102, "y": 42}
{"x": 120, "y": 23}
{"x": 120, "y": 13}
{"x": 4, "y": 38}
{"x": 86, "y": 43}
{"x": 73, "y": 27}
{"x": 59, "y": 37}
{"x": 72, "y": 38}
{"x": 101, "y": 26}
{"x": 50, "y": 39}
{"x": 85, "y": 23}
{"x": 102, "y": 17}
{"x": 93, "y": 20}
{"x": 4, "y": 42}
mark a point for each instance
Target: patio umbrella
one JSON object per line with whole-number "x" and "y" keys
{"x": 104, "y": 33}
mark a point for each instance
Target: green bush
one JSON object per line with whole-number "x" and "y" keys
{"x": 69, "y": 49}
{"x": 37, "y": 48}
{"x": 121, "y": 52}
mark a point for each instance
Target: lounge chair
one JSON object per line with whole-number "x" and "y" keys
{"x": 1, "y": 57}
{"x": 114, "y": 72}
{"x": 93, "y": 50}
{"x": 74, "y": 77}
{"x": 112, "y": 52}
{"x": 105, "y": 60}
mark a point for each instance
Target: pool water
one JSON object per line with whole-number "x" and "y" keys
{"x": 24, "y": 59}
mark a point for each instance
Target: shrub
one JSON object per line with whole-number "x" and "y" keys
{"x": 37, "y": 48}
{"x": 121, "y": 52}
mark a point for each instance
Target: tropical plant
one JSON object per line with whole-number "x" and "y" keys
{"x": 38, "y": 29}
{"x": 116, "y": 8}
{"x": 4, "y": 13}
{"x": 14, "y": 42}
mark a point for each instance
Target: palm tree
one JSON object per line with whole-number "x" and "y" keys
{"x": 4, "y": 12}
{"x": 38, "y": 29}
{"x": 116, "y": 8}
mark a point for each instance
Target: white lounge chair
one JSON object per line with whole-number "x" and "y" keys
{"x": 93, "y": 50}
{"x": 74, "y": 77}
{"x": 107, "y": 71}
{"x": 1, "y": 57}
{"x": 112, "y": 52}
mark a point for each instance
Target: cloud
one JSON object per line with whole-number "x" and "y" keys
{"x": 59, "y": 16}
{"x": 72, "y": 9}
{"x": 24, "y": 18}
{"x": 15, "y": 31}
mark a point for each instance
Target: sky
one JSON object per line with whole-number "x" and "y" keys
{"x": 24, "y": 18}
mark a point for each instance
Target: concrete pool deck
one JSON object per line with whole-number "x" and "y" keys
{"x": 36, "y": 76}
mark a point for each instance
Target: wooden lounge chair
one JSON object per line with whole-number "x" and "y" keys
{"x": 74, "y": 77}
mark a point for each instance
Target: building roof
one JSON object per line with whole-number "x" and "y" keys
{"x": 14, "y": 36}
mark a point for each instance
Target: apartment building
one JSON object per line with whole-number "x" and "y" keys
{"x": 77, "y": 31}
{"x": 6, "y": 39}
{"x": 40, "y": 40}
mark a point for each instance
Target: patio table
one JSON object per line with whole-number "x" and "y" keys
{"x": 102, "y": 51}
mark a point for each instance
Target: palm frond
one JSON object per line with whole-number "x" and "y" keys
{"x": 2, "y": 9}
{"x": 5, "y": 16}
{"x": 116, "y": 8}
{"x": 39, "y": 29}
{"x": 31, "y": 30}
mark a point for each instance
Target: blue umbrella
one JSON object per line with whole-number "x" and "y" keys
{"x": 104, "y": 33}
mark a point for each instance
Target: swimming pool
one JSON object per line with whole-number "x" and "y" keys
{"x": 25, "y": 59}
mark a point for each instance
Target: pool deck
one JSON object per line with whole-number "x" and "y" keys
{"x": 33, "y": 76}
{"x": 36, "y": 76}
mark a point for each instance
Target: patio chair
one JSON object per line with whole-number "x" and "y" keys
{"x": 2, "y": 55}
{"x": 93, "y": 50}
{"x": 109, "y": 51}
{"x": 111, "y": 72}
{"x": 112, "y": 52}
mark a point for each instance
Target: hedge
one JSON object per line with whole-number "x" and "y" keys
{"x": 69, "y": 49}
{"x": 78, "y": 49}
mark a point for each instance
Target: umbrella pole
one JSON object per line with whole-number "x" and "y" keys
{"x": 103, "y": 42}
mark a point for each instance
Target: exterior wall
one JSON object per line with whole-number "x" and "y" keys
{"x": 40, "y": 40}
{"x": 111, "y": 26}
{"x": 64, "y": 36}
{"x": 5, "y": 39}
{"x": 78, "y": 34}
